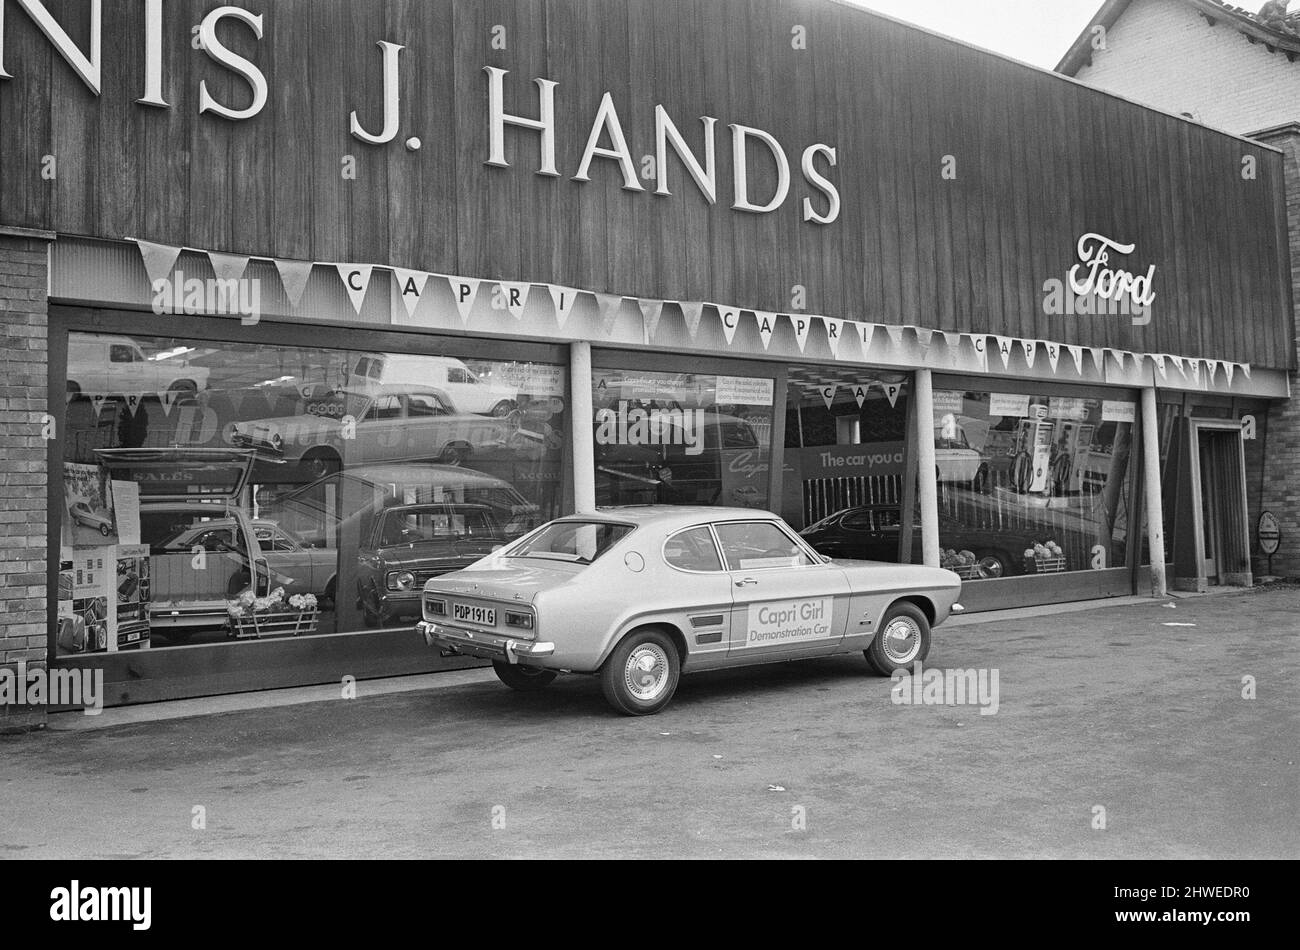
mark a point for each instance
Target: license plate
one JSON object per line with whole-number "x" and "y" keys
{"x": 481, "y": 616}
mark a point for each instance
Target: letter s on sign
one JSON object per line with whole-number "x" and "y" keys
{"x": 221, "y": 54}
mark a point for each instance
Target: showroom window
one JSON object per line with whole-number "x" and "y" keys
{"x": 1032, "y": 484}
{"x": 222, "y": 491}
{"x": 845, "y": 443}
{"x": 681, "y": 438}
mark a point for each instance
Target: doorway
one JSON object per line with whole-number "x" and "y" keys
{"x": 1221, "y": 531}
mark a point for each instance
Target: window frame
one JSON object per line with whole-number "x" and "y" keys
{"x": 713, "y": 539}
{"x": 814, "y": 559}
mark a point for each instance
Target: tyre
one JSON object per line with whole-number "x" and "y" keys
{"x": 902, "y": 640}
{"x": 105, "y": 530}
{"x": 186, "y": 390}
{"x": 318, "y": 464}
{"x": 641, "y": 675}
{"x": 993, "y": 564}
{"x": 523, "y": 679}
{"x": 503, "y": 408}
{"x": 456, "y": 453}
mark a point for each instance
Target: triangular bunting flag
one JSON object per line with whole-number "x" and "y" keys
{"x": 464, "y": 291}
{"x": 294, "y": 276}
{"x": 1196, "y": 370}
{"x": 651, "y": 311}
{"x": 609, "y": 305}
{"x": 228, "y": 266}
{"x": 800, "y": 322}
{"x": 97, "y": 401}
{"x": 1053, "y": 354}
{"x": 1119, "y": 357}
{"x": 356, "y": 278}
{"x": 1159, "y": 360}
{"x": 1003, "y": 344}
{"x": 766, "y": 326}
{"x": 564, "y": 298}
{"x": 891, "y": 392}
{"x": 834, "y": 329}
{"x": 1245, "y": 369}
{"x": 1098, "y": 357}
{"x": 1229, "y": 368}
{"x": 1030, "y": 348}
{"x": 1178, "y": 362}
{"x": 1076, "y": 354}
{"x": 410, "y": 287}
{"x": 1212, "y": 367}
{"x": 860, "y": 393}
{"x": 828, "y": 394}
{"x": 980, "y": 344}
{"x": 159, "y": 259}
{"x": 730, "y": 318}
{"x": 133, "y": 401}
{"x": 167, "y": 398}
{"x": 691, "y": 313}
{"x": 514, "y": 296}
{"x": 895, "y": 335}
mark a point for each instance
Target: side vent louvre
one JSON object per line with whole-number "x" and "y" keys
{"x": 707, "y": 620}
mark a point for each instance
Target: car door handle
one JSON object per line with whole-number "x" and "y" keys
{"x": 746, "y": 582}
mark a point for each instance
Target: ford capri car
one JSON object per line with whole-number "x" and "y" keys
{"x": 639, "y": 595}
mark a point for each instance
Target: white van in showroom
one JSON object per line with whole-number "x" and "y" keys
{"x": 468, "y": 392}
{"x": 117, "y": 364}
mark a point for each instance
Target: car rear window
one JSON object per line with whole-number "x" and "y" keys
{"x": 580, "y": 542}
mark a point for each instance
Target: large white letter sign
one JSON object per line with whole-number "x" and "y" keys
{"x": 87, "y": 67}
{"x": 233, "y": 61}
{"x": 706, "y": 178}
{"x": 498, "y": 119}
{"x": 607, "y": 121}
{"x": 819, "y": 182}
{"x": 153, "y": 23}
{"x": 740, "y": 135}
{"x": 392, "y": 98}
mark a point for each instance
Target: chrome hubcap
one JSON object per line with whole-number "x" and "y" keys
{"x": 646, "y": 673}
{"x": 901, "y": 640}
{"x": 990, "y": 567}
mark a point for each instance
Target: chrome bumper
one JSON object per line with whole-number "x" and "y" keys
{"x": 488, "y": 646}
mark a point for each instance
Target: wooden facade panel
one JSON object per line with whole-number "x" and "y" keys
{"x": 1040, "y": 161}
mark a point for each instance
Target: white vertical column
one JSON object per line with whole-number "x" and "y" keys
{"x": 926, "y": 466}
{"x": 582, "y": 442}
{"x": 1151, "y": 482}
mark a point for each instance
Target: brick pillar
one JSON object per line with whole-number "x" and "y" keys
{"x": 24, "y": 321}
{"x": 1281, "y": 484}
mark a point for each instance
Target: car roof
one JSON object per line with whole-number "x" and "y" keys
{"x": 669, "y": 516}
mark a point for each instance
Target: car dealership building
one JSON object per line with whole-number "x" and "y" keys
{"x": 304, "y": 303}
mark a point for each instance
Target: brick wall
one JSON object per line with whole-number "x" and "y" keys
{"x": 1280, "y": 485}
{"x": 23, "y": 374}
{"x": 1163, "y": 53}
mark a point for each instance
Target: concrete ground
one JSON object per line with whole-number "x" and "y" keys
{"x": 1137, "y": 709}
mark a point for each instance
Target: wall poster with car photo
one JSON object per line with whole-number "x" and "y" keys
{"x": 291, "y": 490}
{"x": 682, "y": 438}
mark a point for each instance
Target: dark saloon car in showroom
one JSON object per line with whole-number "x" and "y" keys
{"x": 639, "y": 595}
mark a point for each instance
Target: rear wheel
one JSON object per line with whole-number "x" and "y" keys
{"x": 902, "y": 640}
{"x": 524, "y": 679}
{"x": 641, "y": 675}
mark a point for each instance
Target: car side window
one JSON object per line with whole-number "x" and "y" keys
{"x": 754, "y": 545}
{"x": 120, "y": 353}
{"x": 692, "y": 550}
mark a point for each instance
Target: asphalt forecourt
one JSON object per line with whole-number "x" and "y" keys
{"x": 1161, "y": 730}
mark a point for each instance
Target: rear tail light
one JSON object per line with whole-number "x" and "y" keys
{"x": 434, "y": 607}
{"x": 522, "y": 620}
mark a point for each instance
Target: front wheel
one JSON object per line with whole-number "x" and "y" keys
{"x": 641, "y": 675}
{"x": 524, "y": 679}
{"x": 902, "y": 640}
